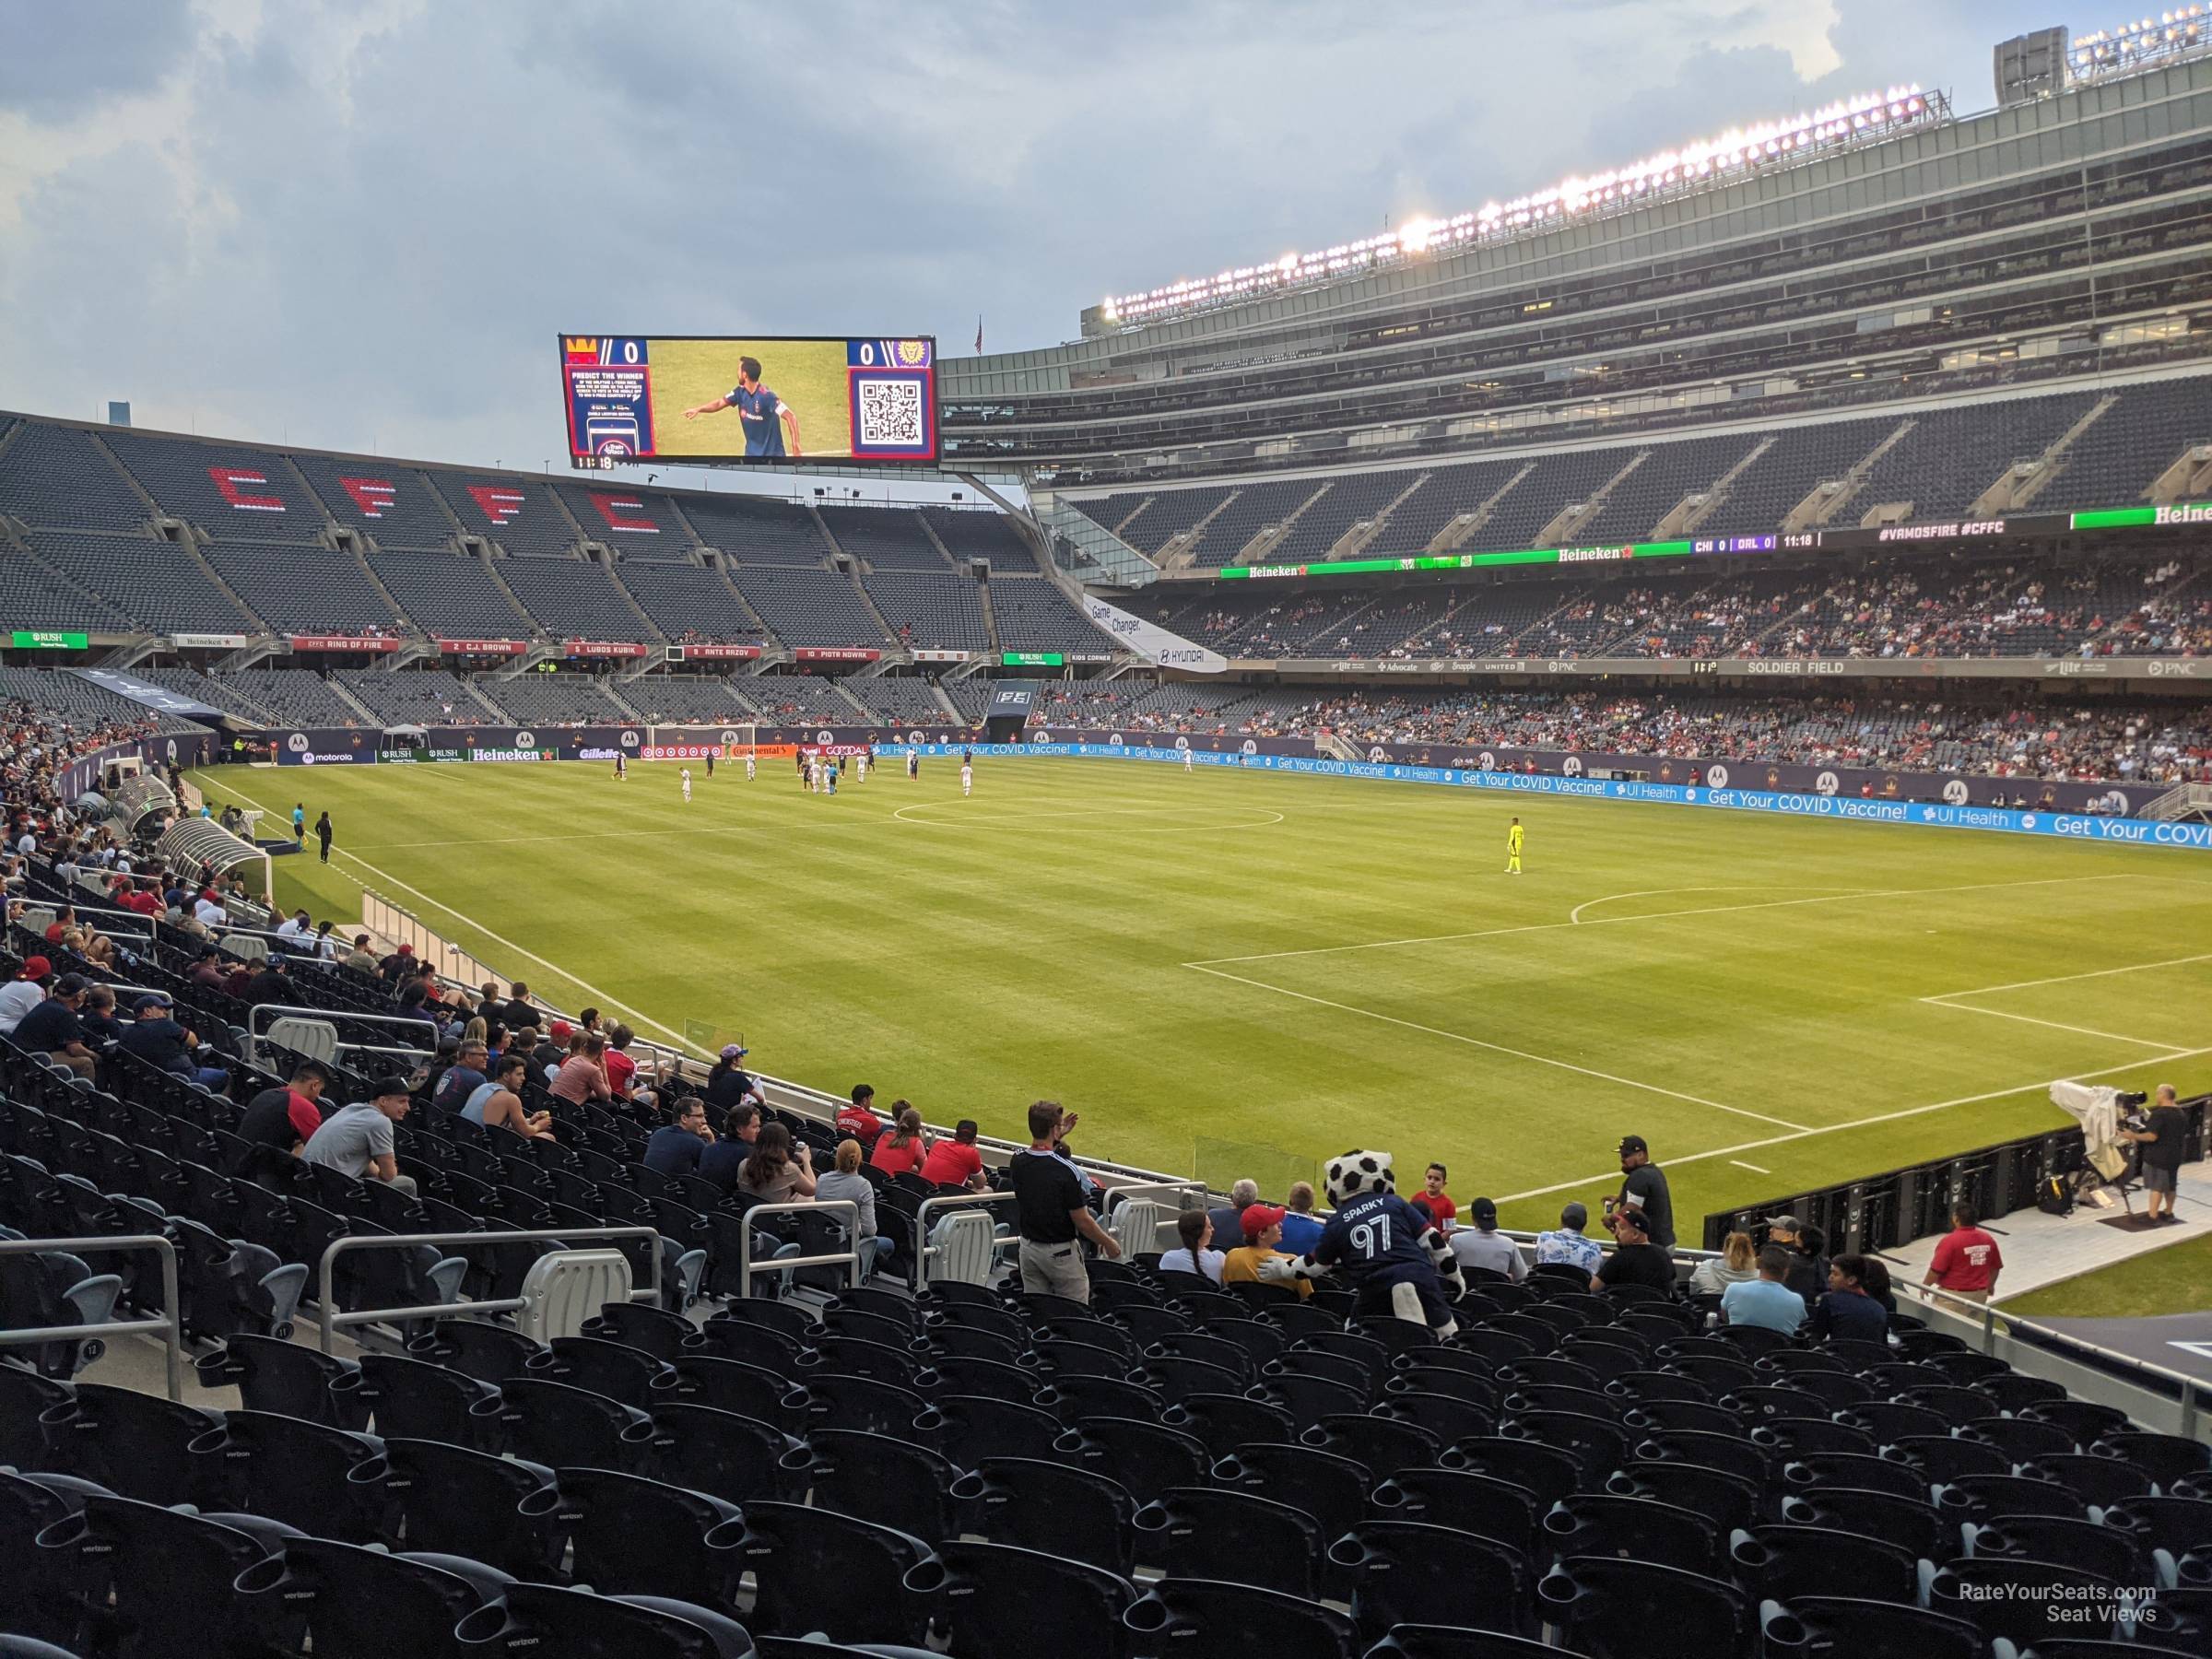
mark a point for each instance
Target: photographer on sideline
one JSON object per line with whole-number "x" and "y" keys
{"x": 2163, "y": 1139}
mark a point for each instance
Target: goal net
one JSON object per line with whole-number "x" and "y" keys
{"x": 732, "y": 742}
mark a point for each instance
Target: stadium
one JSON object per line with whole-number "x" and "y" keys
{"x": 1676, "y": 707}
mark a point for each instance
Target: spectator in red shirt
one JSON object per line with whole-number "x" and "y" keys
{"x": 1967, "y": 1260}
{"x": 955, "y": 1163}
{"x": 859, "y": 1120}
{"x": 620, "y": 1067}
{"x": 1441, "y": 1209}
{"x": 904, "y": 1146}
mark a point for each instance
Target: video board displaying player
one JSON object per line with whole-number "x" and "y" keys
{"x": 766, "y": 400}
{"x": 772, "y": 426}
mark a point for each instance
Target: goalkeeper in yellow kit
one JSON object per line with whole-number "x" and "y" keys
{"x": 1512, "y": 849}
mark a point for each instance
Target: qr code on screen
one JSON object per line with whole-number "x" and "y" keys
{"x": 890, "y": 414}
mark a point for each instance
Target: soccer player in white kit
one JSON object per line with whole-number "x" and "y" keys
{"x": 686, "y": 783}
{"x": 913, "y": 765}
{"x": 1190, "y": 761}
{"x": 860, "y": 767}
{"x": 749, "y": 766}
{"x": 967, "y": 776}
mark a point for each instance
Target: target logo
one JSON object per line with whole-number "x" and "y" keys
{"x": 1716, "y": 777}
{"x": 1955, "y": 792}
{"x": 297, "y": 743}
{"x": 1571, "y": 767}
{"x": 1827, "y": 784}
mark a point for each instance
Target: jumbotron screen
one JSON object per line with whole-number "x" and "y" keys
{"x": 780, "y": 402}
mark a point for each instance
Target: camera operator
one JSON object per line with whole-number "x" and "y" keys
{"x": 2161, "y": 1134}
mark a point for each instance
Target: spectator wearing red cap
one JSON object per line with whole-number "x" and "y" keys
{"x": 551, "y": 1052}
{"x": 24, "y": 992}
{"x": 1263, "y": 1228}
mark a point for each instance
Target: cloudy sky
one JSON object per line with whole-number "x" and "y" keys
{"x": 359, "y": 224}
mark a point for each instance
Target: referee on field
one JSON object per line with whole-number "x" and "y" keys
{"x": 1055, "y": 1216}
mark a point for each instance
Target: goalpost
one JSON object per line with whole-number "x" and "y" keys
{"x": 731, "y": 742}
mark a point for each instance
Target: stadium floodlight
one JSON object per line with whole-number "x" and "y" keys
{"x": 2129, "y": 48}
{"x": 1867, "y": 117}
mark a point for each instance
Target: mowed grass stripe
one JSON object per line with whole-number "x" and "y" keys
{"x": 972, "y": 966}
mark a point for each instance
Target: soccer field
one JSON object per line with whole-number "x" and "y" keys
{"x": 1248, "y": 972}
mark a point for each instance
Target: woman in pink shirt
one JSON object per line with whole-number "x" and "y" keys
{"x": 582, "y": 1075}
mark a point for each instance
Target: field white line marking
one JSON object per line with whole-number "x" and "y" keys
{"x": 1028, "y": 818}
{"x": 1755, "y": 1170}
{"x": 1613, "y": 1176}
{"x": 1497, "y": 1048}
{"x": 1960, "y": 1007}
{"x": 1574, "y": 916}
{"x": 2067, "y": 979}
{"x": 554, "y": 967}
{"x": 1705, "y": 910}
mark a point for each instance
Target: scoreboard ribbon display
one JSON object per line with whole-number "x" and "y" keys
{"x": 787, "y": 401}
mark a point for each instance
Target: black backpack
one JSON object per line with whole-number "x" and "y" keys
{"x": 2054, "y": 1197}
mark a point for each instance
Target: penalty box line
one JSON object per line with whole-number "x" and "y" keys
{"x": 1954, "y": 1000}
{"x": 1702, "y": 910}
{"x": 1496, "y": 1048}
{"x": 1865, "y": 1123}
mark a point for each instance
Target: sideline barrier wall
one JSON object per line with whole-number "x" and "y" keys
{"x": 778, "y": 744}
{"x": 2071, "y": 826}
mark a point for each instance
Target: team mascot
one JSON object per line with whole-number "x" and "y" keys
{"x": 1397, "y": 1263}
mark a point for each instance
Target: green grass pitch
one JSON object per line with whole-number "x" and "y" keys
{"x": 1248, "y": 972}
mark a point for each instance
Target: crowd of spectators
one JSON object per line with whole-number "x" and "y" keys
{"x": 2084, "y": 742}
{"x": 2115, "y": 604}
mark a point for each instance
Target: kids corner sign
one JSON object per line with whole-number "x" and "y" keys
{"x": 1153, "y": 642}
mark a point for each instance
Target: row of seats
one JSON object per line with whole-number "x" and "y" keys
{"x": 1945, "y": 460}
{"x": 1597, "y": 1469}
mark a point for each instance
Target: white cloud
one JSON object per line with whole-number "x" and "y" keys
{"x": 360, "y": 223}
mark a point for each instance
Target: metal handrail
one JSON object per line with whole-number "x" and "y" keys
{"x": 334, "y": 1017}
{"x": 746, "y": 1267}
{"x": 1989, "y": 1316}
{"x": 918, "y": 1278}
{"x": 1178, "y": 1190}
{"x": 169, "y": 1325}
{"x": 135, "y": 918}
{"x": 331, "y": 1321}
